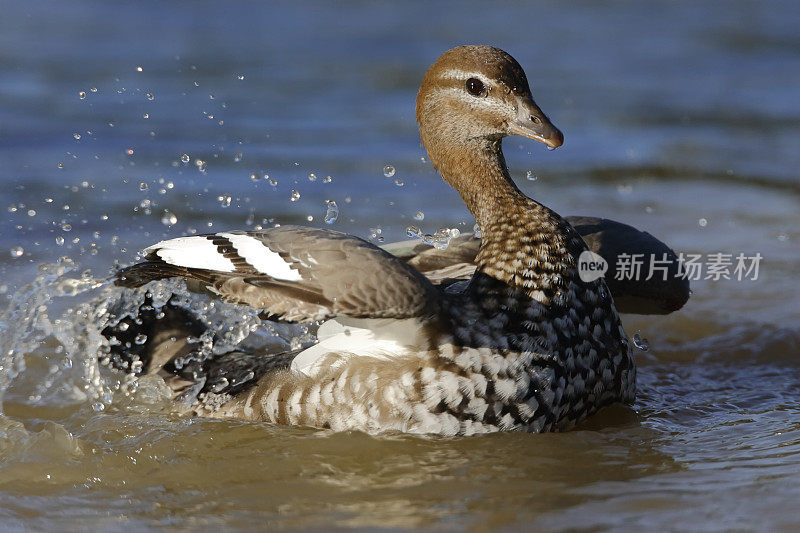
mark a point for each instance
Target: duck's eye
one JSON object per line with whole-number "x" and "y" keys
{"x": 475, "y": 87}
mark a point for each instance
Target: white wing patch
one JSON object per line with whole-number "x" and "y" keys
{"x": 376, "y": 338}
{"x": 256, "y": 253}
{"x": 192, "y": 252}
{"x": 200, "y": 252}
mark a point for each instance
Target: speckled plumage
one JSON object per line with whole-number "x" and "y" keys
{"x": 524, "y": 345}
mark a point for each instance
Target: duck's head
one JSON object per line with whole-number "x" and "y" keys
{"x": 476, "y": 95}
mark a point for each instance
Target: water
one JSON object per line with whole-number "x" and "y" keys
{"x": 680, "y": 118}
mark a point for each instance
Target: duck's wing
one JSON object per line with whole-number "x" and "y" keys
{"x": 666, "y": 291}
{"x": 293, "y": 273}
{"x": 658, "y": 289}
{"x": 442, "y": 267}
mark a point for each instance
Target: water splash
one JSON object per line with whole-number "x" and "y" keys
{"x": 640, "y": 342}
{"x": 439, "y": 240}
{"x": 332, "y": 212}
{"x": 53, "y": 350}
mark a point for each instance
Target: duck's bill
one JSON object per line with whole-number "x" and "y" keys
{"x": 534, "y": 124}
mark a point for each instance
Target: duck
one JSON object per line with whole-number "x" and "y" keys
{"x": 523, "y": 344}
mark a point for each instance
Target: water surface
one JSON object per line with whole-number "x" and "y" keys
{"x": 680, "y": 118}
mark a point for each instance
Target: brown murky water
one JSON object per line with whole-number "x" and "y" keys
{"x": 684, "y": 121}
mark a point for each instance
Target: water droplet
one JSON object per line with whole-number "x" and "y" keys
{"x": 224, "y": 200}
{"x": 530, "y": 176}
{"x": 168, "y": 219}
{"x": 60, "y": 165}
{"x": 419, "y": 215}
{"x": 17, "y": 251}
{"x": 240, "y": 77}
{"x": 82, "y": 94}
{"x": 327, "y": 179}
{"x": 388, "y": 171}
{"x": 440, "y": 240}
{"x": 219, "y": 385}
{"x": 255, "y": 177}
{"x": 237, "y": 157}
{"x": 150, "y": 96}
{"x": 77, "y": 136}
{"x": 145, "y": 206}
{"x": 185, "y": 158}
{"x": 399, "y": 182}
{"x": 332, "y": 212}
{"x": 310, "y": 218}
{"x": 295, "y": 196}
{"x": 138, "y": 69}
{"x": 271, "y": 181}
{"x": 31, "y": 212}
{"x": 413, "y": 232}
{"x": 141, "y": 338}
{"x": 129, "y": 151}
{"x": 551, "y": 148}
{"x": 143, "y": 186}
{"x": 703, "y": 222}
{"x": 640, "y": 342}
{"x": 312, "y": 177}
{"x": 60, "y": 240}
{"x": 200, "y": 164}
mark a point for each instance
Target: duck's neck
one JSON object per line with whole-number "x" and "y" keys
{"x": 478, "y": 172}
{"x": 523, "y": 243}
